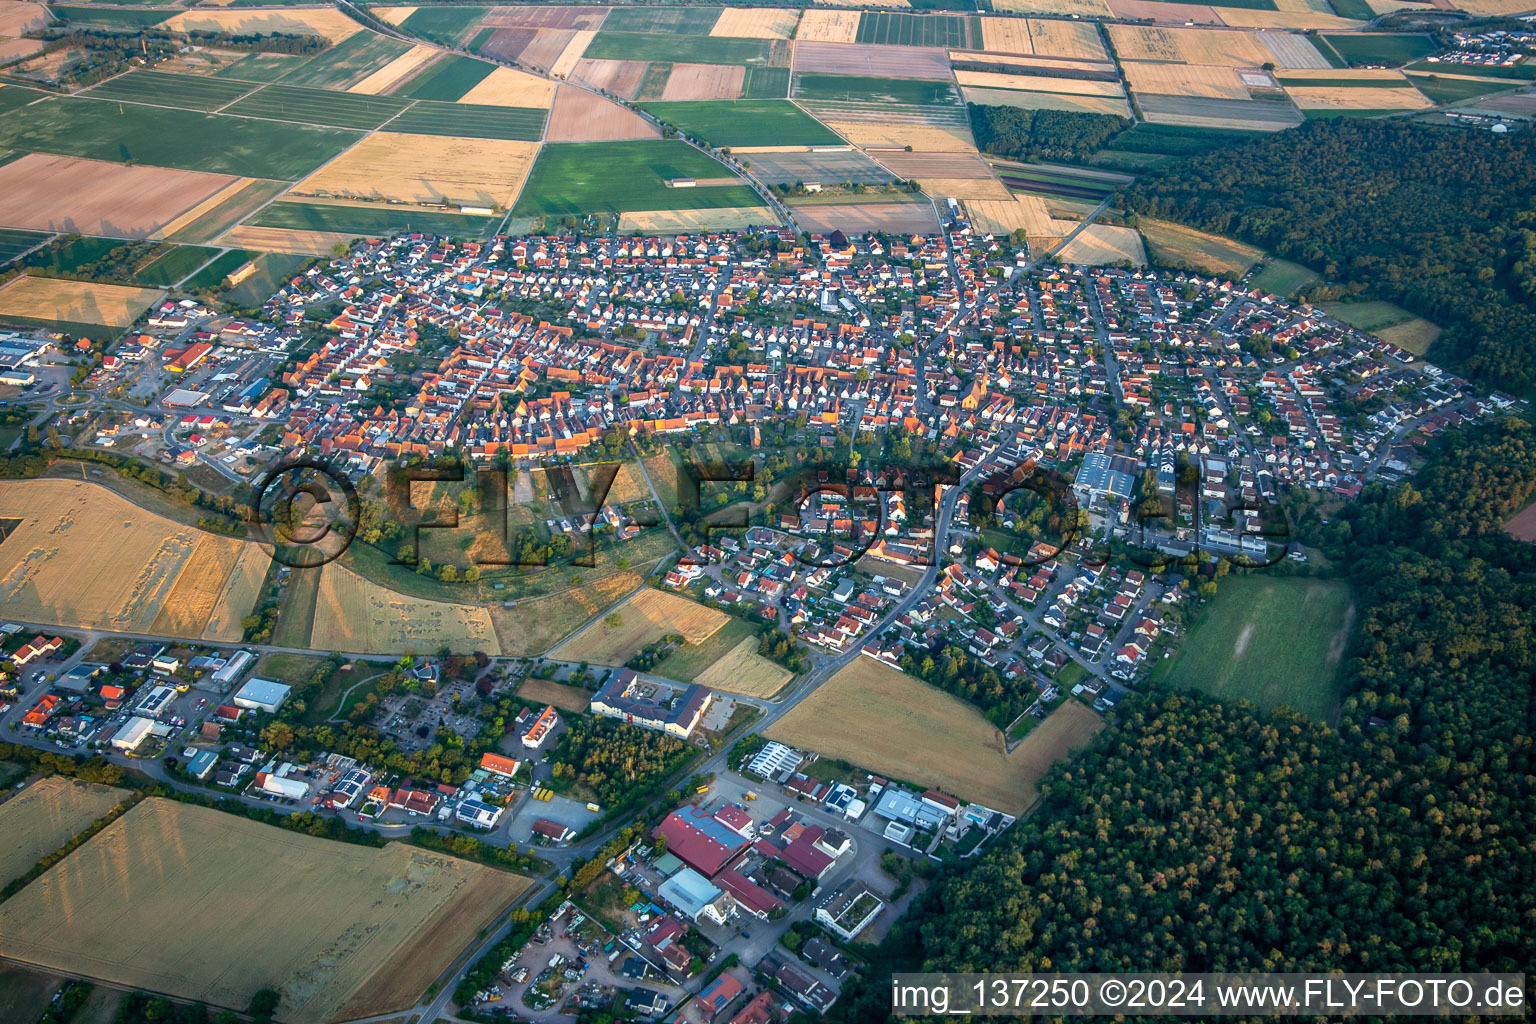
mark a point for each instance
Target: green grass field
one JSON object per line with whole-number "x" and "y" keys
{"x": 1282, "y": 277}
{"x": 1454, "y": 90}
{"x": 215, "y": 272}
{"x": 685, "y": 663}
{"x": 348, "y": 62}
{"x": 175, "y": 264}
{"x": 318, "y": 106}
{"x": 1378, "y": 48}
{"x": 448, "y": 79}
{"x": 14, "y": 242}
{"x": 161, "y": 137}
{"x": 190, "y": 92}
{"x": 598, "y": 177}
{"x": 764, "y": 83}
{"x": 261, "y": 67}
{"x": 863, "y": 88}
{"x": 745, "y": 122}
{"x": 371, "y": 221}
{"x": 272, "y": 269}
{"x": 680, "y": 49}
{"x": 11, "y": 97}
{"x": 112, "y": 16}
{"x": 473, "y": 120}
{"x": 957, "y": 31}
{"x": 1390, "y": 323}
{"x": 1270, "y": 641}
{"x": 683, "y": 21}
{"x": 445, "y": 25}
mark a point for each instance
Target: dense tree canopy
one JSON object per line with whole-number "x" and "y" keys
{"x": 1197, "y": 835}
{"x": 1438, "y": 220}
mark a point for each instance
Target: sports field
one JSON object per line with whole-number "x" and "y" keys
{"x": 318, "y": 106}
{"x": 45, "y": 816}
{"x": 884, "y": 720}
{"x": 162, "y": 137}
{"x": 745, "y": 123}
{"x": 644, "y": 618}
{"x": 596, "y": 177}
{"x": 1270, "y": 641}
{"x": 208, "y": 906}
{"x": 84, "y": 556}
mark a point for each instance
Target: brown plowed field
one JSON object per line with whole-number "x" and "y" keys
{"x": 43, "y": 192}
{"x": 581, "y": 116}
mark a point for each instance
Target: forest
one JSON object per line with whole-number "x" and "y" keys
{"x": 1198, "y": 835}
{"x": 1437, "y": 220}
{"x": 1042, "y": 134}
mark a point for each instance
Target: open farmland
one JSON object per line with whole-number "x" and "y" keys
{"x": 359, "y": 220}
{"x": 68, "y": 194}
{"x": 85, "y": 557}
{"x": 863, "y": 89}
{"x": 213, "y": 274}
{"x": 326, "y": 22}
{"x": 261, "y": 67}
{"x": 532, "y": 627}
{"x": 1069, "y": 8}
{"x": 1372, "y": 48}
{"x": 787, "y": 168}
{"x": 822, "y": 26}
{"x": 687, "y": 222}
{"x": 216, "y": 588}
{"x": 1390, "y": 323}
{"x": 1025, "y": 100}
{"x": 448, "y": 79}
{"x": 745, "y": 672}
{"x": 1189, "y": 46}
{"x": 646, "y": 617}
{"x": 426, "y": 169}
{"x": 872, "y": 61}
{"x": 607, "y": 45}
{"x": 359, "y": 616}
{"x": 1269, "y": 641}
{"x": 13, "y": 243}
{"x": 879, "y": 718}
{"x": 947, "y": 30}
{"x": 162, "y": 137}
{"x": 471, "y": 120}
{"x": 1104, "y": 244}
{"x": 508, "y": 87}
{"x": 745, "y": 123}
{"x": 348, "y": 62}
{"x": 449, "y": 26}
{"x": 45, "y": 816}
{"x": 594, "y": 177}
{"x": 1203, "y": 112}
{"x": 756, "y": 23}
{"x": 581, "y": 116}
{"x": 188, "y": 91}
{"x": 342, "y": 930}
{"x": 175, "y": 263}
{"x": 46, "y": 300}
{"x": 318, "y": 106}
{"x": 1174, "y": 245}
{"x": 860, "y": 218}
{"x": 396, "y": 71}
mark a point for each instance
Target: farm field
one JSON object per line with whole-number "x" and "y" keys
{"x": 188, "y": 91}
{"x": 429, "y": 117}
{"x": 448, "y": 79}
{"x": 57, "y": 569}
{"x": 347, "y": 62}
{"x": 325, "y": 22}
{"x": 1104, "y": 244}
{"x": 681, "y": 49}
{"x": 449, "y": 26}
{"x": 361, "y": 220}
{"x": 566, "y": 698}
{"x": 1026, "y": 100}
{"x": 318, "y": 106}
{"x": 1174, "y": 245}
{"x": 278, "y": 240}
{"x": 508, "y": 87}
{"x": 426, "y": 169}
{"x": 1269, "y": 641}
{"x": 176, "y": 263}
{"x": 1281, "y": 277}
{"x": 533, "y": 626}
{"x": 403, "y": 67}
{"x": 1205, "y": 112}
{"x": 359, "y": 616}
{"x": 352, "y": 931}
{"x": 13, "y": 243}
{"x": 872, "y": 61}
{"x": 863, "y": 89}
{"x": 896, "y": 29}
{"x": 1454, "y": 89}
{"x": 646, "y": 617}
{"x": 45, "y": 816}
{"x": 685, "y": 663}
{"x": 214, "y": 215}
{"x": 261, "y": 67}
{"x": 879, "y": 718}
{"x": 60, "y": 193}
{"x": 1390, "y": 323}
{"x": 860, "y": 218}
{"x": 1376, "y": 48}
{"x": 756, "y": 23}
{"x": 74, "y": 302}
{"x": 745, "y": 672}
{"x": 787, "y": 168}
{"x": 594, "y": 177}
{"x": 162, "y": 137}
{"x": 745, "y": 123}
{"x": 1522, "y": 525}
{"x": 687, "y": 222}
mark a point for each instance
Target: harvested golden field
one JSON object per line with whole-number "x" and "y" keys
{"x": 1174, "y": 245}
{"x": 581, "y": 116}
{"x": 1076, "y": 40}
{"x": 508, "y": 87}
{"x": 1493, "y": 8}
{"x": 43, "y": 192}
{"x": 745, "y": 672}
{"x": 1100, "y": 244}
{"x": 547, "y": 691}
{"x": 204, "y": 905}
{"x": 574, "y": 47}
{"x": 326, "y": 22}
{"x": 15, "y": 49}
{"x": 1048, "y": 101}
{"x": 200, "y": 585}
{"x": 1006, "y": 35}
{"x": 628, "y": 485}
{"x": 619, "y": 77}
{"x": 84, "y": 302}
{"x": 392, "y": 15}
{"x": 17, "y": 17}
{"x": 818, "y": 26}
{"x": 1188, "y": 45}
{"x": 1080, "y": 8}
{"x": 936, "y": 165}
{"x": 426, "y": 169}
{"x": 310, "y": 243}
{"x": 1022, "y": 213}
{"x": 1165, "y": 11}
{"x": 535, "y": 625}
{"x": 192, "y": 213}
{"x": 1030, "y": 61}
{"x": 646, "y": 617}
{"x": 1387, "y": 77}
{"x": 396, "y": 71}
{"x": 922, "y": 138}
{"x": 965, "y": 188}
{"x": 861, "y": 218}
{"x": 1185, "y": 80}
{"x": 45, "y": 816}
{"x": 242, "y": 589}
{"x": 884, "y": 720}
{"x": 756, "y": 23}
{"x": 85, "y": 556}
{"x": 1040, "y": 83}
{"x": 1295, "y": 20}
{"x": 1322, "y": 97}
{"x": 704, "y": 82}
{"x": 688, "y": 221}
{"x": 358, "y": 616}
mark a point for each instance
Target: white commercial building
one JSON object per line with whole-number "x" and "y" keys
{"x": 133, "y": 733}
{"x": 232, "y": 668}
{"x": 262, "y": 695}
